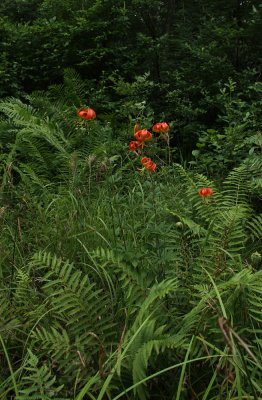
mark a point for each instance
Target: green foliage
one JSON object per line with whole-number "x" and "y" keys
{"x": 45, "y": 140}
{"x": 225, "y": 147}
{"x": 34, "y": 144}
{"x": 118, "y": 282}
{"x": 37, "y": 382}
{"x": 152, "y": 267}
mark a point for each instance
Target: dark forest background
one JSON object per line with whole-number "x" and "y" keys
{"x": 177, "y": 59}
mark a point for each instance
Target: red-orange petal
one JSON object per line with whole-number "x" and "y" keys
{"x": 86, "y": 113}
{"x": 206, "y": 192}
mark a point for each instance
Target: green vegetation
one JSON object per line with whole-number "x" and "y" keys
{"x": 122, "y": 278}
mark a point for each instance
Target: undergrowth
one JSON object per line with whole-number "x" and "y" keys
{"x": 122, "y": 283}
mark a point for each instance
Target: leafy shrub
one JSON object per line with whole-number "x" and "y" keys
{"x": 225, "y": 147}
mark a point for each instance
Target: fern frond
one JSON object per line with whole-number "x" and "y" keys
{"x": 254, "y": 226}
{"x": 72, "y": 91}
{"x": 236, "y": 188}
{"x": 228, "y": 229}
{"x": 80, "y": 306}
{"x": 37, "y": 382}
{"x": 132, "y": 280}
{"x": 194, "y": 227}
{"x": 147, "y": 350}
{"x": 56, "y": 343}
{"x": 8, "y": 318}
{"x": 16, "y": 110}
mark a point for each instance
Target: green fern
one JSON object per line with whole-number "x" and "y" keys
{"x": 37, "y": 147}
{"x": 78, "y": 306}
{"x": 37, "y": 381}
{"x": 254, "y": 226}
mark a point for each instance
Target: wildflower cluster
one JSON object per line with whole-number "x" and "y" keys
{"x": 142, "y": 136}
